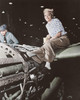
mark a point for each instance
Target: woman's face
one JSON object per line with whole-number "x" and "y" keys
{"x": 3, "y": 32}
{"x": 47, "y": 16}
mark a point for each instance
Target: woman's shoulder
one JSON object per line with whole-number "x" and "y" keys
{"x": 56, "y": 19}
{"x": 9, "y": 33}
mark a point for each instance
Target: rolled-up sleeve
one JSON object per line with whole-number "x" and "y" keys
{"x": 58, "y": 27}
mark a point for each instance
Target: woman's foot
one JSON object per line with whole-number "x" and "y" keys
{"x": 47, "y": 65}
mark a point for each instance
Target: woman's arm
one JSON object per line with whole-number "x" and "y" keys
{"x": 56, "y": 36}
{"x": 13, "y": 39}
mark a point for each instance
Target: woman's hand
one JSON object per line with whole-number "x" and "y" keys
{"x": 56, "y": 36}
{"x": 48, "y": 36}
{"x": 45, "y": 39}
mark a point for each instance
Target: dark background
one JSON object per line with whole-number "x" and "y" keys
{"x": 25, "y": 19}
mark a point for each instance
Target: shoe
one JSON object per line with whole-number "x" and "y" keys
{"x": 47, "y": 65}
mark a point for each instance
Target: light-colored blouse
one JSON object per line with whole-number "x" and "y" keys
{"x": 55, "y": 26}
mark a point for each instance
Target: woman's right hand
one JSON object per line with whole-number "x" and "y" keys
{"x": 48, "y": 36}
{"x": 45, "y": 39}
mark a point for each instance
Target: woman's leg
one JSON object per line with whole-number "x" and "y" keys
{"x": 47, "y": 65}
{"x": 46, "y": 52}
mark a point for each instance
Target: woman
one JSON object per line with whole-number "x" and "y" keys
{"x": 6, "y": 36}
{"x": 56, "y": 39}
